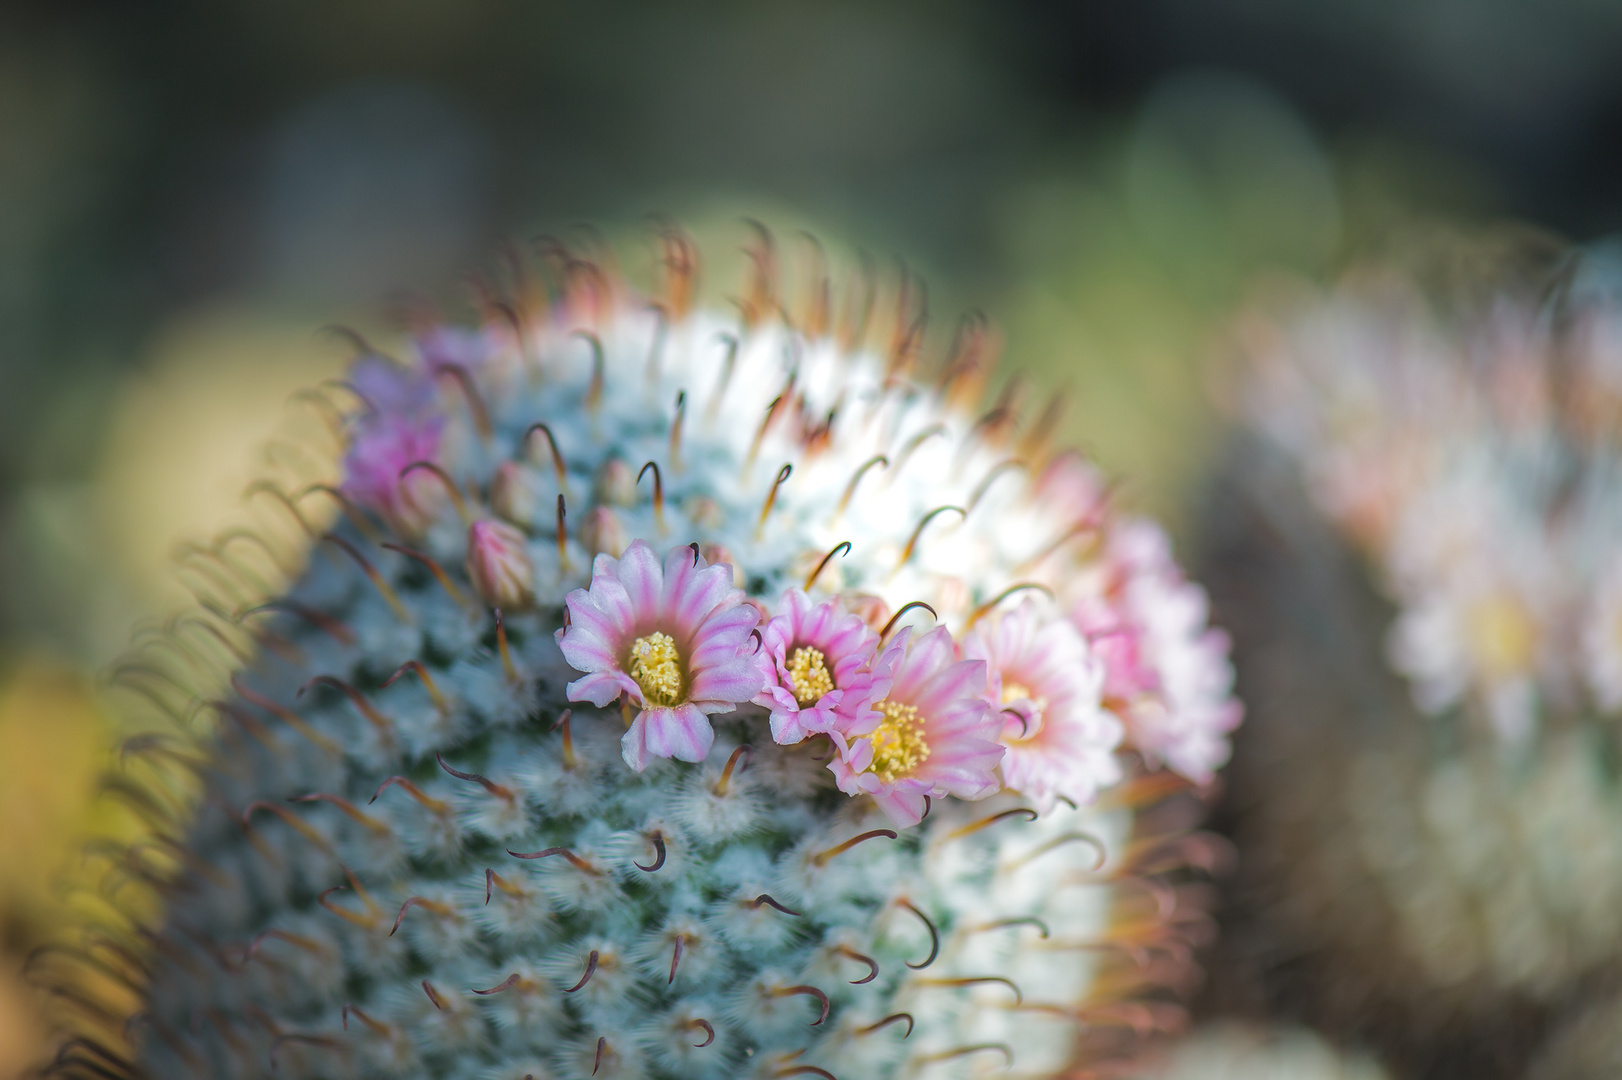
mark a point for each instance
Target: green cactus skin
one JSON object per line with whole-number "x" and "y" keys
{"x": 392, "y": 846}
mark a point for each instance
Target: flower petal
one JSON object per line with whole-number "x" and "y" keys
{"x": 603, "y": 688}
{"x": 682, "y": 732}
{"x": 639, "y": 572}
{"x": 733, "y": 683}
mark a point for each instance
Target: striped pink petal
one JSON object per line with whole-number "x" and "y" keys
{"x": 693, "y": 604}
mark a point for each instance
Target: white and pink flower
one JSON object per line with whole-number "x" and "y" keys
{"x": 672, "y": 640}
{"x": 1048, "y": 686}
{"x": 1167, "y": 671}
{"x": 820, "y": 664}
{"x": 934, "y": 734}
{"x": 1075, "y": 487}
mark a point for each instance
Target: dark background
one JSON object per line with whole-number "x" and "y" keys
{"x": 155, "y": 155}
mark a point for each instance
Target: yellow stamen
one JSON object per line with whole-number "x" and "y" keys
{"x": 898, "y": 742}
{"x": 807, "y": 674}
{"x": 1013, "y": 691}
{"x": 656, "y": 667}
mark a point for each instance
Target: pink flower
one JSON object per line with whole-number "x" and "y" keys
{"x": 818, "y": 665}
{"x": 445, "y": 346}
{"x": 383, "y": 446}
{"x": 671, "y": 639}
{"x": 390, "y": 389}
{"x": 1049, "y": 688}
{"x": 1167, "y": 670}
{"x": 935, "y": 733}
{"x": 1073, "y": 486}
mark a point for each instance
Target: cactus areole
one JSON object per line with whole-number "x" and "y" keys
{"x": 676, "y": 694}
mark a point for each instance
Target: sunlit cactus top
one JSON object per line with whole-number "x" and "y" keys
{"x": 688, "y": 694}
{"x": 827, "y": 489}
{"x": 1468, "y": 445}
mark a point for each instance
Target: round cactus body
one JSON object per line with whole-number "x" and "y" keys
{"x": 680, "y": 695}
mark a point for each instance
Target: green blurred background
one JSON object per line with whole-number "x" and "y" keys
{"x": 190, "y": 189}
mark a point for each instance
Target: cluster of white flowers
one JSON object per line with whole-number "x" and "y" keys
{"x": 1470, "y": 451}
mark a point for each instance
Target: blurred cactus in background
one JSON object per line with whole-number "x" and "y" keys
{"x": 1418, "y": 548}
{"x": 1586, "y": 1044}
{"x": 1228, "y": 1051}
{"x": 666, "y": 693}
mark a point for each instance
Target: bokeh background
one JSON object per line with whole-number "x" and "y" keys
{"x": 191, "y": 189}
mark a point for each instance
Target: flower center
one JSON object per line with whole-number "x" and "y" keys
{"x": 1013, "y": 691}
{"x": 808, "y": 675}
{"x": 656, "y": 667}
{"x": 898, "y": 742}
{"x": 1019, "y": 691}
{"x": 1503, "y": 636}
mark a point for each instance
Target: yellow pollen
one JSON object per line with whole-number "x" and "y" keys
{"x": 656, "y": 667}
{"x": 807, "y": 674}
{"x": 898, "y": 742}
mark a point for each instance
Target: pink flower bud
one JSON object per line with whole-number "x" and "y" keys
{"x": 511, "y": 495}
{"x": 704, "y": 512}
{"x": 603, "y": 533}
{"x": 614, "y": 484}
{"x": 499, "y": 565}
{"x": 871, "y": 609}
{"x": 716, "y": 555}
{"x": 419, "y": 499}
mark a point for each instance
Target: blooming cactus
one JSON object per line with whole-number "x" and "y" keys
{"x": 1439, "y": 802}
{"x": 1229, "y": 1051}
{"x": 682, "y": 695}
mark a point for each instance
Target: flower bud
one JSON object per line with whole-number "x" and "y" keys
{"x": 499, "y": 565}
{"x": 419, "y": 499}
{"x": 871, "y": 609}
{"x": 614, "y": 484}
{"x": 704, "y": 512}
{"x": 511, "y": 495}
{"x": 603, "y": 532}
{"x": 715, "y": 554}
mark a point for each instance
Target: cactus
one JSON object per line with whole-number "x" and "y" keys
{"x": 1414, "y": 548}
{"x": 1229, "y": 1051}
{"x": 1585, "y": 1045}
{"x": 678, "y": 695}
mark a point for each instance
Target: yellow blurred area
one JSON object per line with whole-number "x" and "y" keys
{"x": 189, "y": 432}
{"x": 21, "y": 1034}
{"x": 53, "y": 745}
{"x": 204, "y": 417}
